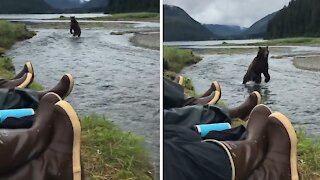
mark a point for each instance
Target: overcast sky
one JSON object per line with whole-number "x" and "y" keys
{"x": 232, "y": 12}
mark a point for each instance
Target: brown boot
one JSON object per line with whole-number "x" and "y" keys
{"x": 212, "y": 99}
{"x": 18, "y": 146}
{"x": 215, "y": 86}
{"x": 61, "y": 158}
{"x": 249, "y": 153}
{"x": 280, "y": 162}
{"x": 27, "y": 68}
{"x": 245, "y": 108}
{"x": 179, "y": 80}
{"x": 63, "y": 88}
{"x": 22, "y": 82}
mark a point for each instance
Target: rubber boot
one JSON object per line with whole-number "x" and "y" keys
{"x": 63, "y": 88}
{"x": 249, "y": 153}
{"x": 21, "y": 145}
{"x": 179, "y": 80}
{"x": 61, "y": 159}
{"x": 280, "y": 163}
{"x": 215, "y": 86}
{"x": 22, "y": 82}
{"x": 27, "y": 68}
{"x": 245, "y": 108}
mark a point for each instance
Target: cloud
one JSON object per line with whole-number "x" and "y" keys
{"x": 231, "y": 12}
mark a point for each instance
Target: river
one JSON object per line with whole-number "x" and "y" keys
{"x": 292, "y": 91}
{"x": 112, "y": 77}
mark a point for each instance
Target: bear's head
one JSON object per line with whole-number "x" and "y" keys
{"x": 263, "y": 52}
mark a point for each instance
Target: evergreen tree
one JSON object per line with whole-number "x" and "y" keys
{"x": 299, "y": 18}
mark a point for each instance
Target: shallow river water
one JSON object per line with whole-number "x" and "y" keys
{"x": 112, "y": 77}
{"x": 292, "y": 91}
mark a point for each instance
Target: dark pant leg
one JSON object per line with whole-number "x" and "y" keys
{"x": 189, "y": 116}
{"x": 173, "y": 94}
{"x": 185, "y": 157}
{"x": 18, "y": 98}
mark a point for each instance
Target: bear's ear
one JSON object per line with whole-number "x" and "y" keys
{"x": 267, "y": 47}
{"x": 259, "y": 48}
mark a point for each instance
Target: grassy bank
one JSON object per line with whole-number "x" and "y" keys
{"x": 12, "y": 32}
{"x": 308, "y": 148}
{"x": 138, "y": 16}
{"x": 174, "y": 60}
{"x": 107, "y": 152}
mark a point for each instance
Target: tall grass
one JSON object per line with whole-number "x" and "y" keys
{"x": 176, "y": 59}
{"x": 12, "y": 32}
{"x": 109, "y": 153}
{"x": 6, "y": 68}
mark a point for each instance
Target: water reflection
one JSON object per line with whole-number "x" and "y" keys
{"x": 262, "y": 89}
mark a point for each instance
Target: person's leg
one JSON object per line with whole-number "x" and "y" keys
{"x": 63, "y": 88}
{"x": 280, "y": 162}
{"x": 22, "y": 82}
{"x": 190, "y": 116}
{"x": 185, "y": 157}
{"x": 269, "y": 149}
{"x": 61, "y": 157}
{"x": 245, "y": 108}
{"x": 248, "y": 154}
{"x": 27, "y": 68}
{"x": 215, "y": 86}
{"x": 18, "y": 98}
{"x": 19, "y": 146}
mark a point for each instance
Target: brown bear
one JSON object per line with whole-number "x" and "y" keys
{"x": 258, "y": 65}
{"x": 74, "y": 27}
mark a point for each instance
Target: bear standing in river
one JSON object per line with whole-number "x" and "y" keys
{"x": 74, "y": 27}
{"x": 259, "y": 65}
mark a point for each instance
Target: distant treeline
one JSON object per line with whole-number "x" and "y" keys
{"x": 299, "y": 18}
{"x": 120, "y": 6}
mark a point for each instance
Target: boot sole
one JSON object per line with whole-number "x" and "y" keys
{"x": 258, "y": 97}
{"x": 293, "y": 142}
{"x": 73, "y": 117}
{"x": 70, "y": 85}
{"x": 217, "y": 86}
{"x": 27, "y": 81}
{"x": 29, "y": 67}
{"x": 180, "y": 80}
{"x": 216, "y": 98}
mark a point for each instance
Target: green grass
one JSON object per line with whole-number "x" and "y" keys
{"x": 308, "y": 156}
{"x": 176, "y": 59}
{"x": 109, "y": 153}
{"x": 6, "y": 68}
{"x": 137, "y": 16}
{"x": 12, "y": 32}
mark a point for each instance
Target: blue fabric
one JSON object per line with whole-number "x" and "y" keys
{"x": 17, "y": 113}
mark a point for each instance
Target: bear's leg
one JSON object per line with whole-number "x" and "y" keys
{"x": 267, "y": 76}
{"x": 246, "y": 78}
{"x": 257, "y": 78}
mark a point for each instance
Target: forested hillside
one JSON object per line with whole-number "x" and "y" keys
{"x": 299, "y": 18}
{"x": 120, "y": 6}
{"x": 24, "y": 6}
